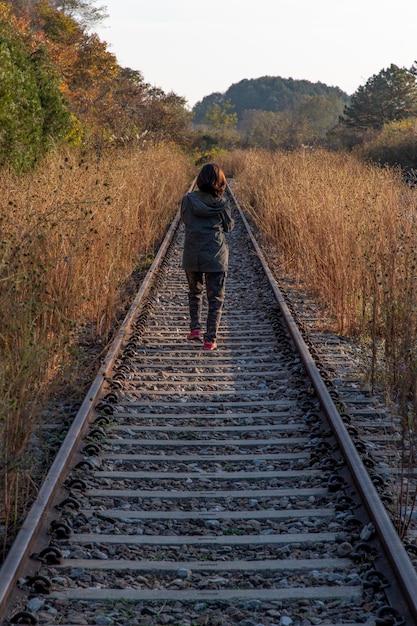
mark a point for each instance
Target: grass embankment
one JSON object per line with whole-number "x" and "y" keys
{"x": 348, "y": 230}
{"x": 72, "y": 233}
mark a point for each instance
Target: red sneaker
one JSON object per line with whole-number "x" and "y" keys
{"x": 210, "y": 345}
{"x": 195, "y": 334}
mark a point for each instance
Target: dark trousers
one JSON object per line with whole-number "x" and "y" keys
{"x": 215, "y": 289}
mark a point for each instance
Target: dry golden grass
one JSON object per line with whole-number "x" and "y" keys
{"x": 347, "y": 229}
{"x": 340, "y": 224}
{"x": 72, "y": 232}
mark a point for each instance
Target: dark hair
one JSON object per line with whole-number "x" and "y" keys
{"x": 211, "y": 179}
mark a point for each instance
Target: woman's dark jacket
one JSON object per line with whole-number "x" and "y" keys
{"x": 206, "y": 219}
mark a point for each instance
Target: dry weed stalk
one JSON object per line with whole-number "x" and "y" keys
{"x": 73, "y": 231}
{"x": 348, "y": 230}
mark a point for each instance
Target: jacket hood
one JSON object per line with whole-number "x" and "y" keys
{"x": 205, "y": 204}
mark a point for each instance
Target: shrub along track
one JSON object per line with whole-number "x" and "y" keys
{"x": 210, "y": 487}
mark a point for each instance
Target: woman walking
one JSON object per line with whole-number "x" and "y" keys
{"x": 207, "y": 217}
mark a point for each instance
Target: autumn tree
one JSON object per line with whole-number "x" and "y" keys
{"x": 264, "y": 129}
{"x": 84, "y": 94}
{"x": 221, "y": 120}
{"x": 87, "y": 67}
{"x": 83, "y": 12}
{"x": 164, "y": 116}
{"x": 388, "y": 96}
{"x": 33, "y": 111}
{"x": 124, "y": 118}
{"x": 200, "y": 108}
{"x": 23, "y": 6}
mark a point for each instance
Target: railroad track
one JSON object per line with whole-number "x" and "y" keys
{"x": 209, "y": 488}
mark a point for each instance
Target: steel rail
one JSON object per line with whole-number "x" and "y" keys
{"x": 23, "y": 544}
{"x": 394, "y": 548}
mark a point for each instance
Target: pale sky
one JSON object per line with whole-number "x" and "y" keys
{"x": 197, "y": 47}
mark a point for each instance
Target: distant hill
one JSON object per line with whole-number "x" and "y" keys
{"x": 269, "y": 93}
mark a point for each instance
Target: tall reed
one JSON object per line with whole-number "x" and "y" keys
{"x": 335, "y": 221}
{"x": 72, "y": 233}
{"x": 348, "y": 230}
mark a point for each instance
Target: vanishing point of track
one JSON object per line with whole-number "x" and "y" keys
{"x": 209, "y": 488}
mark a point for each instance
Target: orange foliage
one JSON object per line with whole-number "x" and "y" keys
{"x": 87, "y": 67}
{"x": 110, "y": 102}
